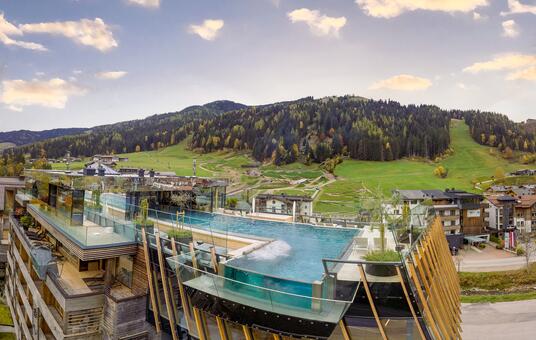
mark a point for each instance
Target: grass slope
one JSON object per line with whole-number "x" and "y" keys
{"x": 469, "y": 163}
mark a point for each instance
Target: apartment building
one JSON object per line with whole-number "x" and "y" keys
{"x": 525, "y": 213}
{"x": 283, "y": 204}
{"x": 76, "y": 267}
{"x": 459, "y": 211}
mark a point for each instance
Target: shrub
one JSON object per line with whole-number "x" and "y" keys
{"x": 481, "y": 246}
{"x": 232, "y": 202}
{"x": 179, "y": 233}
{"x": 26, "y": 221}
{"x": 441, "y": 172}
{"x": 382, "y": 256}
{"x": 520, "y": 251}
{"x": 494, "y": 239}
{"x": 500, "y": 245}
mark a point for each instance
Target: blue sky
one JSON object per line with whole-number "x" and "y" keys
{"x": 66, "y": 63}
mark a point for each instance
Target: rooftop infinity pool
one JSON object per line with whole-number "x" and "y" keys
{"x": 295, "y": 254}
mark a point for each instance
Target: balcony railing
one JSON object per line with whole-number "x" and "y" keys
{"x": 97, "y": 229}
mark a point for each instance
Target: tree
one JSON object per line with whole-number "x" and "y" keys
{"x": 499, "y": 174}
{"x": 441, "y": 172}
{"x": 528, "y": 242}
{"x": 182, "y": 200}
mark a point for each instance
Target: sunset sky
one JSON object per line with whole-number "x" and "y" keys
{"x": 80, "y": 63}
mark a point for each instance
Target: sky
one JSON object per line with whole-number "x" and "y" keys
{"x": 81, "y": 63}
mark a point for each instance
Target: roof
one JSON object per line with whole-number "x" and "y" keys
{"x": 97, "y": 165}
{"x": 526, "y": 201}
{"x": 411, "y": 194}
{"x": 501, "y": 200}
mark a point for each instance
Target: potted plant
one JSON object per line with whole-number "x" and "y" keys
{"x": 376, "y": 205}
{"x": 381, "y": 256}
{"x": 142, "y": 221}
{"x": 180, "y": 235}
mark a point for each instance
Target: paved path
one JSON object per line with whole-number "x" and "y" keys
{"x": 498, "y": 321}
{"x": 492, "y": 265}
{"x": 7, "y": 329}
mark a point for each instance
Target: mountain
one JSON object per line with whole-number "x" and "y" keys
{"x": 306, "y": 130}
{"x": 151, "y": 133}
{"x": 22, "y": 137}
{"x": 318, "y": 129}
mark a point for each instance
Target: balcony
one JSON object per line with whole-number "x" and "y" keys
{"x": 96, "y": 230}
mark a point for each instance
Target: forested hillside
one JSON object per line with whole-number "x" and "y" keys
{"x": 320, "y": 129}
{"x": 151, "y": 133}
{"x": 306, "y": 130}
{"x": 21, "y": 137}
{"x": 499, "y": 131}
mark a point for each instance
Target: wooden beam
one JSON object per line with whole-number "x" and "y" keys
{"x": 214, "y": 259}
{"x": 199, "y": 324}
{"x": 150, "y": 279}
{"x": 344, "y": 330}
{"x": 163, "y": 277}
{"x": 371, "y": 301}
{"x": 247, "y": 332}
{"x": 428, "y": 313}
{"x": 194, "y": 259}
{"x": 184, "y": 298}
{"x": 221, "y": 328}
{"x": 423, "y": 337}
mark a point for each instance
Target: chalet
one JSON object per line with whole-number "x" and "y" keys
{"x": 283, "y": 204}
{"x": 525, "y": 213}
{"x": 500, "y": 212}
{"x": 459, "y": 211}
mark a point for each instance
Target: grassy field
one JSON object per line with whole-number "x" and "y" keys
{"x": 504, "y": 286}
{"x": 468, "y": 164}
{"x": 498, "y": 298}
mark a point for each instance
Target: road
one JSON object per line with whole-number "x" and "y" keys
{"x": 503, "y": 320}
{"x": 492, "y": 265}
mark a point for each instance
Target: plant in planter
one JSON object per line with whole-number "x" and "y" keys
{"x": 382, "y": 256}
{"x": 142, "y": 221}
{"x": 376, "y": 205}
{"x": 26, "y": 221}
{"x": 180, "y": 235}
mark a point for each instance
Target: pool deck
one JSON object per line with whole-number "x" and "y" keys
{"x": 350, "y": 272}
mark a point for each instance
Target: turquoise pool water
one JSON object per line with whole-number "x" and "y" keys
{"x": 295, "y": 255}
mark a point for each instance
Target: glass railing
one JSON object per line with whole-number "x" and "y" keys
{"x": 96, "y": 229}
{"x": 260, "y": 297}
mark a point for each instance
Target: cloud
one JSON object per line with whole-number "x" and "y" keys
{"x": 393, "y": 8}
{"x": 510, "y": 29}
{"x": 479, "y": 17}
{"x": 111, "y": 74}
{"x": 208, "y": 30}
{"x": 53, "y": 93}
{"x": 319, "y": 24}
{"x": 402, "y": 82}
{"x": 510, "y": 61}
{"x": 516, "y": 7}
{"x": 525, "y": 74}
{"x": 94, "y": 33}
{"x": 145, "y": 3}
{"x": 7, "y": 29}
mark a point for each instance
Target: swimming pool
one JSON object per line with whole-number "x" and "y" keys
{"x": 296, "y": 254}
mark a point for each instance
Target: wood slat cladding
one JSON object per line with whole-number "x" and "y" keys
{"x": 139, "y": 275}
{"x": 88, "y": 254}
{"x": 436, "y": 281}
